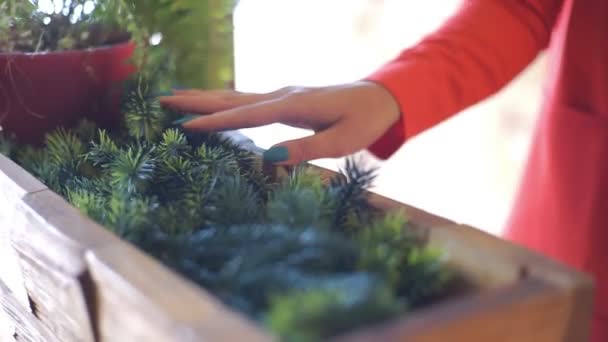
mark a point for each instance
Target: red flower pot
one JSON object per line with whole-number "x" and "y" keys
{"x": 39, "y": 91}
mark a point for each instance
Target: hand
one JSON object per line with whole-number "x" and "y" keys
{"x": 346, "y": 118}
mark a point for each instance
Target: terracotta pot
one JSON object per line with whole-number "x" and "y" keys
{"x": 39, "y": 91}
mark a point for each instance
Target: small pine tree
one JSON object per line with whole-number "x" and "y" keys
{"x": 308, "y": 258}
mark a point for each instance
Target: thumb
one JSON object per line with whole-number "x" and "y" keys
{"x": 325, "y": 144}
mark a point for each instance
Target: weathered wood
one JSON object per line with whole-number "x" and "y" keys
{"x": 19, "y": 323}
{"x": 15, "y": 183}
{"x": 522, "y": 297}
{"x": 528, "y": 311}
{"x": 490, "y": 263}
{"x": 85, "y": 284}
{"x": 138, "y": 299}
{"x": 50, "y": 244}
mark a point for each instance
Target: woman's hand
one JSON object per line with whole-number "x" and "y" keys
{"x": 346, "y": 118}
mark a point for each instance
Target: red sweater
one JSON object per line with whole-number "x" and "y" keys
{"x": 562, "y": 208}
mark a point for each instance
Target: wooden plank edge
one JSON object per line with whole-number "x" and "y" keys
{"x": 20, "y": 319}
{"x": 23, "y": 182}
{"x": 518, "y": 263}
{"x": 63, "y": 221}
{"x": 15, "y": 184}
{"x": 51, "y": 247}
{"x": 127, "y": 272}
{"x": 529, "y": 311}
{"x": 527, "y": 262}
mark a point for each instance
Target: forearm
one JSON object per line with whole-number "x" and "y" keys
{"x": 472, "y": 56}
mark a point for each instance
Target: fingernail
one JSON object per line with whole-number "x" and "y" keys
{"x": 183, "y": 120}
{"x": 276, "y": 154}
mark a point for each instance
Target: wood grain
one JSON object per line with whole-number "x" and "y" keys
{"x": 529, "y": 311}
{"x": 15, "y": 183}
{"x": 137, "y": 299}
{"x": 50, "y": 244}
{"x": 82, "y": 283}
{"x": 521, "y": 296}
{"x": 19, "y": 323}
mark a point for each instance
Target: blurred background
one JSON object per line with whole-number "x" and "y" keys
{"x": 466, "y": 169}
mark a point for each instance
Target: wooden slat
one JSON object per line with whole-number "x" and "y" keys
{"x": 529, "y": 311}
{"x": 86, "y": 284}
{"x": 15, "y": 183}
{"x": 522, "y": 296}
{"x": 486, "y": 257}
{"x": 137, "y": 299}
{"x": 502, "y": 272}
{"x": 51, "y": 244}
{"x": 19, "y": 323}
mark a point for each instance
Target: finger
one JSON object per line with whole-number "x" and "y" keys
{"x": 253, "y": 115}
{"x": 187, "y": 92}
{"x": 330, "y": 143}
{"x": 215, "y": 92}
{"x": 209, "y": 102}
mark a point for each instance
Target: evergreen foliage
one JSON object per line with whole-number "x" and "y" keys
{"x": 310, "y": 259}
{"x": 24, "y": 28}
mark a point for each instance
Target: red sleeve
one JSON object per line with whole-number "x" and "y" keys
{"x": 473, "y": 55}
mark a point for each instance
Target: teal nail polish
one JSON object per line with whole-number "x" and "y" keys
{"x": 183, "y": 120}
{"x": 276, "y": 154}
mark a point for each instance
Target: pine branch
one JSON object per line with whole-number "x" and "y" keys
{"x": 65, "y": 149}
{"x": 30, "y": 158}
{"x": 65, "y": 156}
{"x": 346, "y": 197}
{"x": 332, "y": 308}
{"x": 388, "y": 248}
{"x": 89, "y": 203}
{"x": 36, "y": 161}
{"x": 424, "y": 277}
{"x": 103, "y": 151}
{"x": 86, "y": 130}
{"x": 175, "y": 178}
{"x": 296, "y": 208}
{"x": 100, "y": 186}
{"x": 233, "y": 202}
{"x": 133, "y": 170}
{"x": 144, "y": 117}
{"x": 8, "y": 145}
{"x": 173, "y": 144}
{"x": 303, "y": 177}
{"x": 129, "y": 217}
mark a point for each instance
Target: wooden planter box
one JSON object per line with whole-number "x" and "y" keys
{"x": 65, "y": 278}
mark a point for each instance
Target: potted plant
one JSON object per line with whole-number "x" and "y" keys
{"x": 61, "y": 63}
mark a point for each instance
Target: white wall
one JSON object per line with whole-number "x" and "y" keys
{"x": 466, "y": 169}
